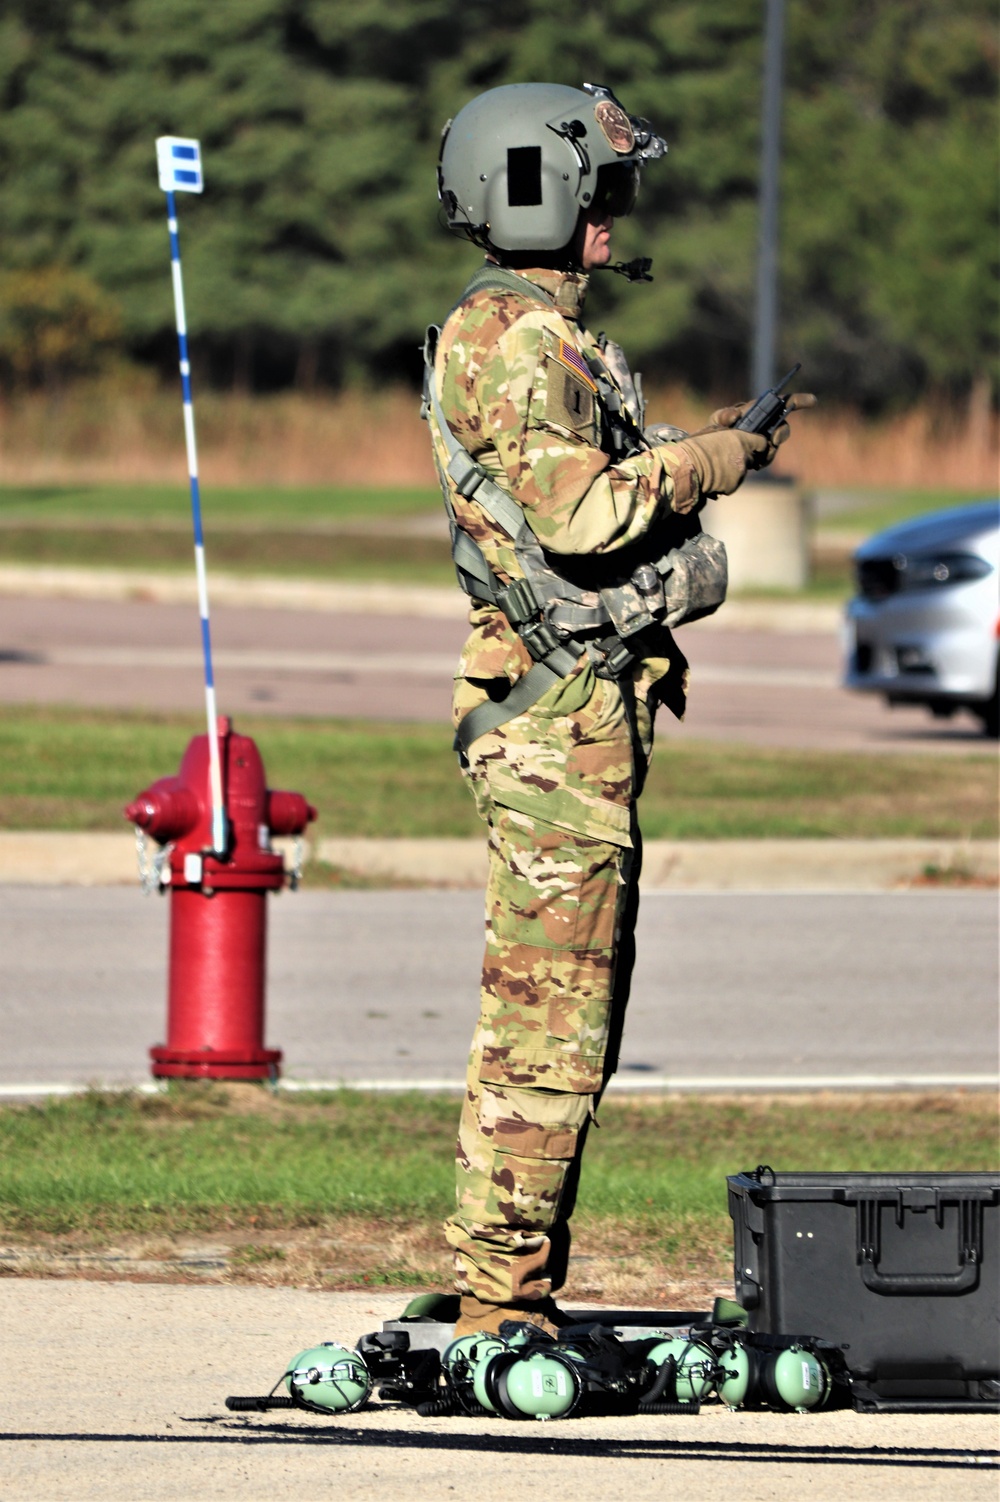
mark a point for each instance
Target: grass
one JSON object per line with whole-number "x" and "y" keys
{"x": 343, "y": 532}
{"x": 303, "y": 531}
{"x": 886, "y": 508}
{"x": 306, "y": 553}
{"x": 362, "y": 1181}
{"x": 74, "y": 769}
{"x": 299, "y": 554}
{"x": 278, "y": 509}
{"x": 252, "y": 506}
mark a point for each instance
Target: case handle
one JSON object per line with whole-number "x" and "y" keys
{"x": 963, "y": 1280}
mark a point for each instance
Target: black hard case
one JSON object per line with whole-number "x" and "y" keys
{"x": 902, "y": 1269}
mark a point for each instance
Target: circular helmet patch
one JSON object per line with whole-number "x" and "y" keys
{"x": 616, "y": 126}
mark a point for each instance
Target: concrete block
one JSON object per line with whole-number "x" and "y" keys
{"x": 765, "y": 527}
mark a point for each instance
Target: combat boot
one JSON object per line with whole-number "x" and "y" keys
{"x": 478, "y": 1317}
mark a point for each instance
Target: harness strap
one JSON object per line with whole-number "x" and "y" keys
{"x": 472, "y": 481}
{"x": 474, "y": 573}
{"x": 572, "y": 618}
{"x": 640, "y": 761}
{"x": 555, "y": 658}
{"x": 490, "y": 716}
{"x": 469, "y": 478}
{"x": 625, "y": 437}
{"x": 491, "y": 278}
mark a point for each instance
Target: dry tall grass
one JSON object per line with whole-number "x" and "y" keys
{"x": 108, "y": 431}
{"x": 128, "y": 429}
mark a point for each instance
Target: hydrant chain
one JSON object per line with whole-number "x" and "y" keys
{"x": 298, "y": 857}
{"x": 150, "y": 871}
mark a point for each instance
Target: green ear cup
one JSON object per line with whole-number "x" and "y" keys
{"x": 541, "y": 1385}
{"x": 475, "y": 1358}
{"x": 695, "y": 1364}
{"x": 796, "y": 1379}
{"x": 736, "y": 1370}
{"x": 329, "y": 1379}
{"x": 458, "y": 1355}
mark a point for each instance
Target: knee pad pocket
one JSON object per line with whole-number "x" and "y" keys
{"x": 536, "y": 1124}
{"x": 523, "y": 1140}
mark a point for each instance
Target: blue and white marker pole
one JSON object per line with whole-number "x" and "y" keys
{"x": 178, "y": 160}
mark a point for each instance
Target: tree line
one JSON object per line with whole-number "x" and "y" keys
{"x": 316, "y": 255}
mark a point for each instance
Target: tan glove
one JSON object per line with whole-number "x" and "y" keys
{"x": 727, "y": 417}
{"x": 721, "y": 458}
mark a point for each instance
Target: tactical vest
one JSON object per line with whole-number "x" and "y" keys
{"x": 558, "y": 619}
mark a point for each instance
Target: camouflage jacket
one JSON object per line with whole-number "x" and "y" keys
{"x": 520, "y": 399}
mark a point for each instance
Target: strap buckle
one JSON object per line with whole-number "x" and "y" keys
{"x": 618, "y": 658}
{"x": 519, "y": 602}
{"x": 539, "y": 638}
{"x": 466, "y": 473}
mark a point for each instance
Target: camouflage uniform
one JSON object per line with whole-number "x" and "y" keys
{"x": 556, "y": 785}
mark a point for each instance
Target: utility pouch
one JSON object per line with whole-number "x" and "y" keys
{"x": 683, "y": 585}
{"x": 696, "y": 583}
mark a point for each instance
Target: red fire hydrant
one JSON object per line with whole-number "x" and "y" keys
{"x": 218, "y": 907}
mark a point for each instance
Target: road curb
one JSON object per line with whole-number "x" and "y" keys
{"x": 727, "y": 1087}
{"x": 259, "y": 591}
{"x": 700, "y": 865}
{"x": 52, "y": 858}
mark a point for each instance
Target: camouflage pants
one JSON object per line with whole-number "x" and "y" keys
{"x": 560, "y": 913}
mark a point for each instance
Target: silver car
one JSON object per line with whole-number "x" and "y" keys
{"x": 923, "y": 627}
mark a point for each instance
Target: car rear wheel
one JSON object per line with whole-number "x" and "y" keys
{"x": 989, "y": 712}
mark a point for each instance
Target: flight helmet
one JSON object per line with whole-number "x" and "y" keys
{"x": 520, "y": 162}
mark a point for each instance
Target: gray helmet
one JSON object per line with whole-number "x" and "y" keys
{"x": 519, "y": 163}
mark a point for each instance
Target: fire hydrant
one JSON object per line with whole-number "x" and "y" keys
{"x": 218, "y": 907}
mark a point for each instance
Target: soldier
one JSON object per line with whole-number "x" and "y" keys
{"x": 576, "y": 533}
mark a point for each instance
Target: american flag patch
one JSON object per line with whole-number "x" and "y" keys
{"x": 572, "y": 358}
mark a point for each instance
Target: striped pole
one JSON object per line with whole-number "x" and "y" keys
{"x": 219, "y": 830}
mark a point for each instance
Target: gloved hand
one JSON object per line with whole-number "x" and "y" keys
{"x": 727, "y": 417}
{"x": 721, "y": 457}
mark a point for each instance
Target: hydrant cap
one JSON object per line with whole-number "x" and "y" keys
{"x": 288, "y": 813}
{"x": 167, "y": 810}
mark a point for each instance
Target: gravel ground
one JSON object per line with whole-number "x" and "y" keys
{"x": 115, "y": 1391}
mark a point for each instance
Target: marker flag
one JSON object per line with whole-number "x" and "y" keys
{"x": 179, "y": 162}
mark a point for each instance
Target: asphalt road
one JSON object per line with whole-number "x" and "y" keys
{"x": 758, "y": 687}
{"x": 131, "y": 1410}
{"x": 382, "y": 986}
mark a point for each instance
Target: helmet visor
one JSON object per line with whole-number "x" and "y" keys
{"x": 617, "y": 189}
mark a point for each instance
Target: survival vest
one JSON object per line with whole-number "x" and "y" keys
{"x": 557, "y": 619}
